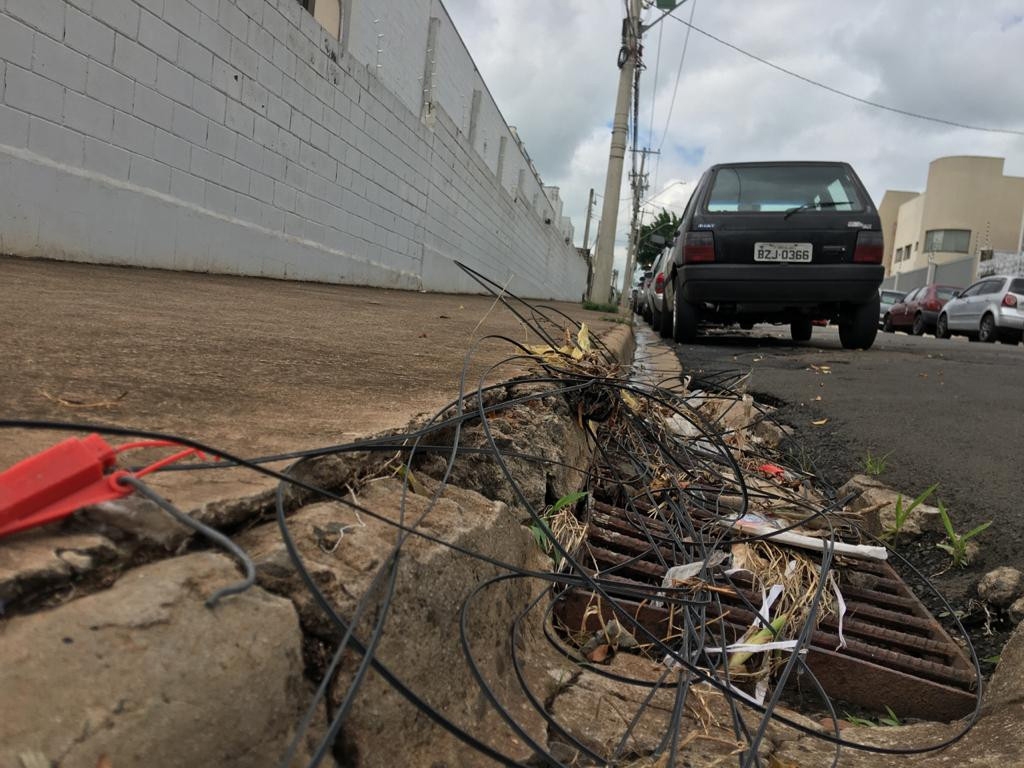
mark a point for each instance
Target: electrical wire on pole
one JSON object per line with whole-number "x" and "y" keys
{"x": 675, "y": 91}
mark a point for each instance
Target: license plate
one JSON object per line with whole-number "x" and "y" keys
{"x": 796, "y": 253}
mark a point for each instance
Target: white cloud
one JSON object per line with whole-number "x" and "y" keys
{"x": 551, "y": 68}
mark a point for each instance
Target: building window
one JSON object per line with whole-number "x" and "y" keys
{"x": 947, "y": 240}
{"x": 327, "y": 12}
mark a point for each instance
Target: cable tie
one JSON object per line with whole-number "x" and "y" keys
{"x": 75, "y": 473}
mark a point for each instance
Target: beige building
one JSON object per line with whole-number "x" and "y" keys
{"x": 968, "y": 209}
{"x": 888, "y": 212}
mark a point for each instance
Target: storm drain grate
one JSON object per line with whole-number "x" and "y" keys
{"x": 896, "y": 653}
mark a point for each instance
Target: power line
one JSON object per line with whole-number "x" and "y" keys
{"x": 679, "y": 72}
{"x": 654, "y": 88}
{"x": 675, "y": 90}
{"x": 838, "y": 92}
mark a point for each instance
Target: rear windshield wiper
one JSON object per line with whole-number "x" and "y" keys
{"x": 806, "y": 206}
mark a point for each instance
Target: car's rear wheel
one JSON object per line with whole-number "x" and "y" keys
{"x": 918, "y": 327}
{"x": 887, "y": 324}
{"x": 858, "y": 325}
{"x": 987, "y": 329}
{"x": 800, "y": 329}
{"x": 665, "y": 328}
{"x": 942, "y": 327}
{"x": 684, "y": 319}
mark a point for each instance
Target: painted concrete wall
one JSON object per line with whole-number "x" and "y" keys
{"x": 888, "y": 212}
{"x": 238, "y": 136}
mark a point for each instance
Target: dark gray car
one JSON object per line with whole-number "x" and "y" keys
{"x": 781, "y": 242}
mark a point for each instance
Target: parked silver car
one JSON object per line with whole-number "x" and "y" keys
{"x": 990, "y": 309}
{"x": 660, "y": 314}
{"x": 640, "y": 294}
{"x": 887, "y": 299}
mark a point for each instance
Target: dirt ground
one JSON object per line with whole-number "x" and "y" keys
{"x": 250, "y": 365}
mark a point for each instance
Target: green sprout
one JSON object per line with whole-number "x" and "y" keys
{"x": 541, "y": 530}
{"x": 901, "y": 512}
{"x": 956, "y": 544}
{"x": 875, "y": 465}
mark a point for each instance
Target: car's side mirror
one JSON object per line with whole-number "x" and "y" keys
{"x": 956, "y": 294}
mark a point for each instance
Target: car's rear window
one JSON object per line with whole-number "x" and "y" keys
{"x": 1017, "y": 286}
{"x": 774, "y": 188}
{"x": 945, "y": 293}
{"x": 892, "y": 296}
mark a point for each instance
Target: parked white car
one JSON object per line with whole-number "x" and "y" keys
{"x": 989, "y": 309}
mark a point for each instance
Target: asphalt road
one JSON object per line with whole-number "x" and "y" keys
{"x": 947, "y": 411}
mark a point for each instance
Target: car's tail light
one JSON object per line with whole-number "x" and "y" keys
{"x": 869, "y": 248}
{"x": 698, "y": 247}
{"x": 1009, "y": 300}
{"x": 933, "y": 305}
{"x": 659, "y": 283}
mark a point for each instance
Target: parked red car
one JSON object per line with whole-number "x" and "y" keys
{"x": 919, "y": 310}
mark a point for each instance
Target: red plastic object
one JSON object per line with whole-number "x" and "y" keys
{"x": 53, "y": 484}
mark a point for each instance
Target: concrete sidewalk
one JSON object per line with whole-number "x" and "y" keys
{"x": 249, "y": 365}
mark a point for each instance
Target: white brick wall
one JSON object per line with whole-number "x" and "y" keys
{"x": 236, "y": 136}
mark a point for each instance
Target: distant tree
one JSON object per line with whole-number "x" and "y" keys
{"x": 663, "y": 225}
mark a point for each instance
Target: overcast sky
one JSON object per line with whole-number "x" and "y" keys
{"x": 550, "y": 65}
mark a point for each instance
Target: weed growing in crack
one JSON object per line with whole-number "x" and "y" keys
{"x": 875, "y": 465}
{"x": 554, "y": 526}
{"x": 890, "y": 720}
{"x": 956, "y": 544}
{"x": 901, "y": 513}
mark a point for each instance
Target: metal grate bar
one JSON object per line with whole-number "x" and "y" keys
{"x": 895, "y": 648}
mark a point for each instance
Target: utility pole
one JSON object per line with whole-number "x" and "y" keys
{"x": 605, "y": 251}
{"x": 640, "y": 186}
{"x": 586, "y": 227}
{"x": 586, "y": 244}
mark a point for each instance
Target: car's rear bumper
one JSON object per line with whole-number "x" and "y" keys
{"x": 1011, "y": 319}
{"x": 781, "y": 284}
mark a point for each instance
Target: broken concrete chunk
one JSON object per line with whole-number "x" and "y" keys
{"x": 1016, "y": 610}
{"x": 421, "y": 642}
{"x": 1007, "y": 684}
{"x": 877, "y": 505}
{"x": 1001, "y": 586}
{"x": 138, "y": 522}
{"x": 144, "y": 674}
{"x": 597, "y": 711}
{"x": 544, "y": 428}
{"x": 39, "y": 560}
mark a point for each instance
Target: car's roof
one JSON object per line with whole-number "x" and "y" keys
{"x": 769, "y": 163}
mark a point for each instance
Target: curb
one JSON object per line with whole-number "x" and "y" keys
{"x": 621, "y": 343}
